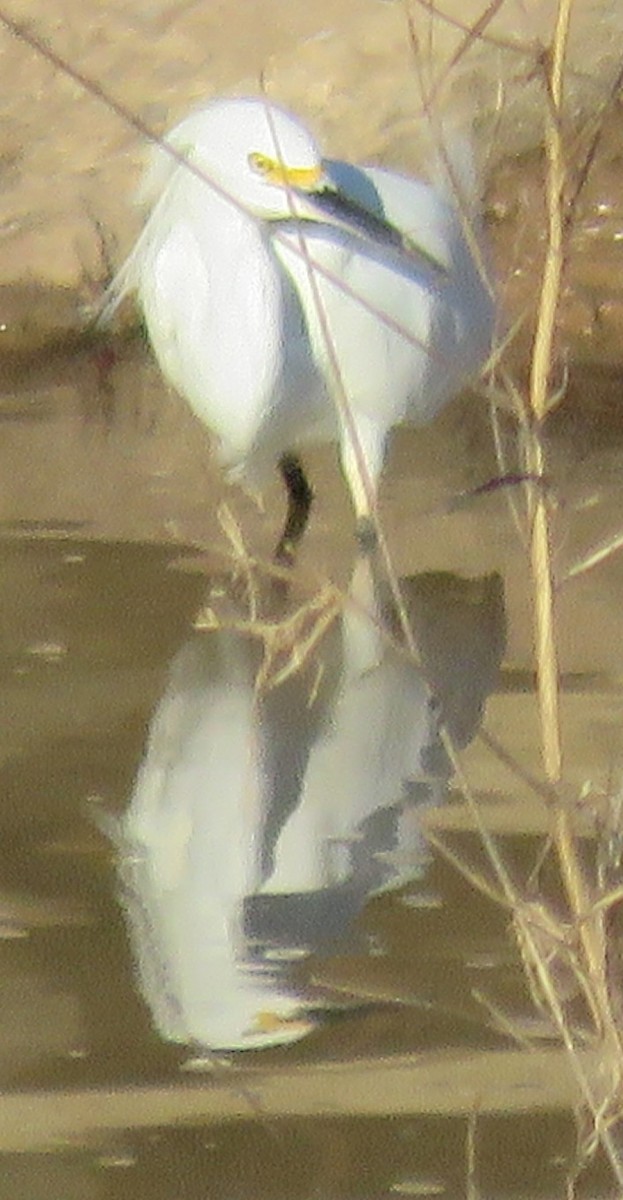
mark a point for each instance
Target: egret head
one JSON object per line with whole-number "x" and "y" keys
{"x": 266, "y": 161}
{"x": 257, "y": 152}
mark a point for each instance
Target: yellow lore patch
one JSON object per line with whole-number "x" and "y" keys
{"x": 306, "y": 179}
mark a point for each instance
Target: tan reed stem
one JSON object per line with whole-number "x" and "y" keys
{"x": 577, "y": 890}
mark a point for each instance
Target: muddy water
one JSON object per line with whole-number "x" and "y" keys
{"x": 112, "y": 526}
{"x": 92, "y": 613}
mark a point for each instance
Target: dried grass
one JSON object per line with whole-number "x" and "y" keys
{"x": 574, "y": 947}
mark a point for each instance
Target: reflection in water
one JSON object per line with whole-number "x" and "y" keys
{"x": 260, "y": 822}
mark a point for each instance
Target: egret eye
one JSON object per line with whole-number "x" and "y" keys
{"x": 260, "y": 163}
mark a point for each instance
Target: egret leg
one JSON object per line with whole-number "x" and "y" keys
{"x": 366, "y": 536}
{"x": 362, "y": 465}
{"x": 300, "y": 498}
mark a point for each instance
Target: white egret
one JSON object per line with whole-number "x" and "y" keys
{"x": 282, "y": 292}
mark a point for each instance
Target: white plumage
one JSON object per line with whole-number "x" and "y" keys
{"x": 241, "y": 274}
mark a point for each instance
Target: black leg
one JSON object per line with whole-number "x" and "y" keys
{"x": 366, "y": 537}
{"x": 300, "y": 497}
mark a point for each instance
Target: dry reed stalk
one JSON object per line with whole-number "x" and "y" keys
{"x": 590, "y": 958}
{"x": 540, "y": 369}
{"x": 591, "y": 929}
{"x": 541, "y": 937}
{"x": 583, "y": 940}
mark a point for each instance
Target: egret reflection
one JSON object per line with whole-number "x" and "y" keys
{"x": 260, "y": 823}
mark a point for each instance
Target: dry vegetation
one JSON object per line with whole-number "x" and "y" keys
{"x": 579, "y": 942}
